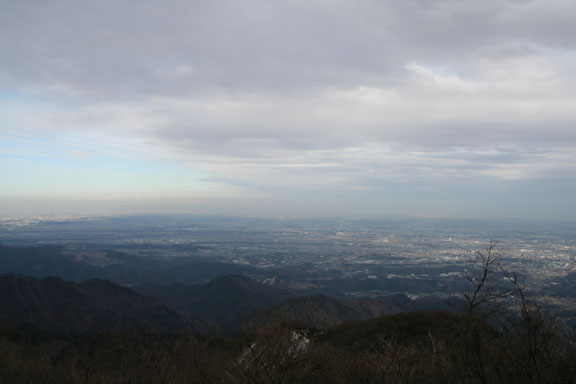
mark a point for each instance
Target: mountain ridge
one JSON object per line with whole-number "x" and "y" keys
{"x": 93, "y": 306}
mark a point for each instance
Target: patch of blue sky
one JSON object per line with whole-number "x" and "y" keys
{"x": 87, "y": 177}
{"x": 49, "y": 144}
{"x": 29, "y": 113}
{"x": 37, "y": 165}
{"x": 15, "y": 145}
{"x": 35, "y": 97}
{"x": 20, "y": 96}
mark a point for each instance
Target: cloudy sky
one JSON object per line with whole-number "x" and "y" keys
{"x": 451, "y": 108}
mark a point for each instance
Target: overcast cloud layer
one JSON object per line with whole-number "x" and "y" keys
{"x": 408, "y": 107}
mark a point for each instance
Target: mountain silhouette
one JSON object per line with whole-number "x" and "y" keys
{"x": 93, "y": 306}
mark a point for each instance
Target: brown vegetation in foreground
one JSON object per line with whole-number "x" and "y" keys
{"x": 420, "y": 347}
{"x": 417, "y": 347}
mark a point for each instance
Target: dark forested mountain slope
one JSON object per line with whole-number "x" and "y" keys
{"x": 232, "y": 300}
{"x": 321, "y": 311}
{"x": 229, "y": 301}
{"x": 176, "y": 295}
{"x": 92, "y": 306}
{"x": 407, "y": 328}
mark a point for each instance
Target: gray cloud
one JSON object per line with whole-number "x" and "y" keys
{"x": 308, "y": 95}
{"x": 128, "y": 49}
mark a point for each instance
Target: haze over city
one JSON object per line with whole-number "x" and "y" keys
{"x": 444, "y": 108}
